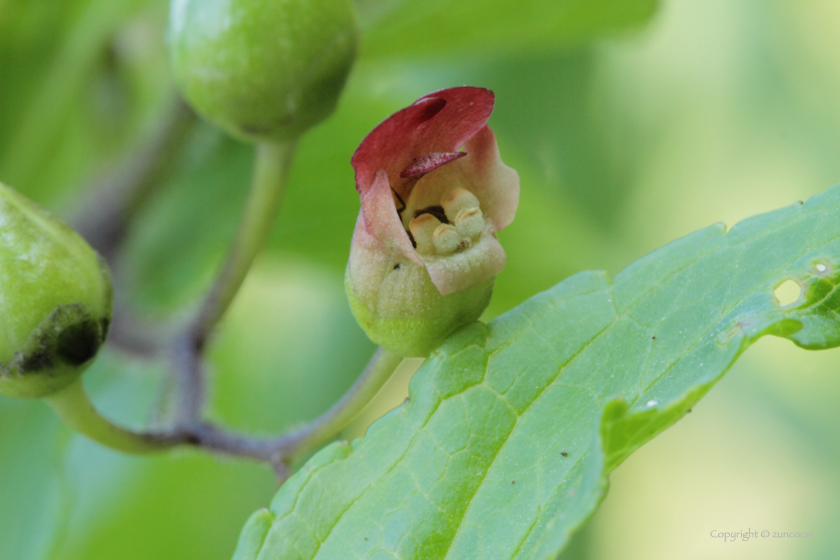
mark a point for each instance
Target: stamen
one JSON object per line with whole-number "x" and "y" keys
{"x": 470, "y": 222}
{"x": 446, "y": 239}
{"x": 456, "y": 200}
{"x": 422, "y": 229}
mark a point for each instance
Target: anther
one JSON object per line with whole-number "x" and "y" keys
{"x": 470, "y": 222}
{"x": 456, "y": 200}
{"x": 423, "y": 229}
{"x": 446, "y": 239}
{"x": 462, "y": 209}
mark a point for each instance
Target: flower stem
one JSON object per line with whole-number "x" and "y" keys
{"x": 75, "y": 409}
{"x": 321, "y": 430}
{"x": 271, "y": 169}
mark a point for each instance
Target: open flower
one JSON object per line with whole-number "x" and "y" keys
{"x": 434, "y": 192}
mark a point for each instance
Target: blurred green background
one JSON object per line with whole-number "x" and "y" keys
{"x": 630, "y": 123}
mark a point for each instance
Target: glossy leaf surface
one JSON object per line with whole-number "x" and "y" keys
{"x": 513, "y": 427}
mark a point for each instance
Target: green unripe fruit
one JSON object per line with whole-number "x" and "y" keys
{"x": 263, "y": 70}
{"x": 55, "y": 300}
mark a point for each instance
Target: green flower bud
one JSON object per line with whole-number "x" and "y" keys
{"x": 55, "y": 300}
{"x": 263, "y": 70}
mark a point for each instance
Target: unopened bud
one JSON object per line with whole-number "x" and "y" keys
{"x": 55, "y": 300}
{"x": 263, "y": 70}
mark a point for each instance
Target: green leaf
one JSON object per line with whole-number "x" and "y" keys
{"x": 421, "y": 27}
{"x": 512, "y": 428}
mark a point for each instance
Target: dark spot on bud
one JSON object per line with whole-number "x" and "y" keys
{"x": 396, "y": 266}
{"x": 78, "y": 343}
{"x": 653, "y": 337}
{"x": 36, "y": 361}
{"x": 564, "y": 454}
{"x": 513, "y": 482}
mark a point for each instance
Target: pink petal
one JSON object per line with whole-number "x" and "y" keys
{"x": 483, "y": 173}
{"x": 469, "y": 268}
{"x": 495, "y": 184}
{"x": 440, "y": 122}
{"x": 380, "y": 225}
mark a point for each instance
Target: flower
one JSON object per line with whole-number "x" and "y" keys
{"x": 424, "y": 253}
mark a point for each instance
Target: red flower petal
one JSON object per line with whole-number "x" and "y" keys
{"x": 437, "y": 123}
{"x": 429, "y": 162}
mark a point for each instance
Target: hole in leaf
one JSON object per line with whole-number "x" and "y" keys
{"x": 787, "y": 292}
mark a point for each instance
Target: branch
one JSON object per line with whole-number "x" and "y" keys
{"x": 74, "y": 407}
{"x": 118, "y": 202}
{"x": 281, "y": 451}
{"x": 111, "y": 205}
{"x": 271, "y": 168}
